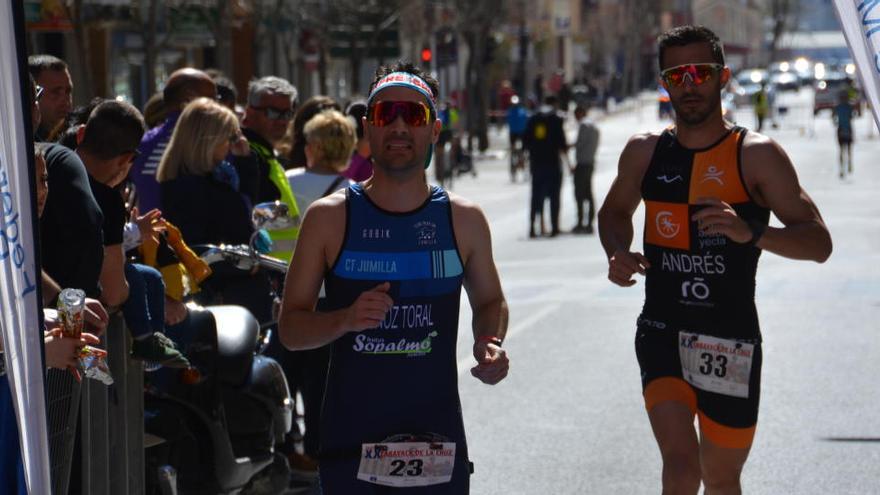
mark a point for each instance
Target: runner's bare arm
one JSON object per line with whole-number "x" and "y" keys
{"x": 776, "y": 185}
{"x": 615, "y": 215}
{"x": 483, "y": 286}
{"x": 300, "y": 326}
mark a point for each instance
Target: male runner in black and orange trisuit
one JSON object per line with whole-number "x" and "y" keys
{"x": 708, "y": 188}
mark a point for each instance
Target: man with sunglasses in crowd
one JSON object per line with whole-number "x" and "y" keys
{"x": 270, "y": 106}
{"x": 709, "y": 188}
{"x": 392, "y": 253}
{"x": 56, "y": 98}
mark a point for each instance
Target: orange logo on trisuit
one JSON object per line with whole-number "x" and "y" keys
{"x": 667, "y": 224}
{"x": 715, "y": 173}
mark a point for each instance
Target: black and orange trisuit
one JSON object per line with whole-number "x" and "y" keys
{"x": 698, "y": 338}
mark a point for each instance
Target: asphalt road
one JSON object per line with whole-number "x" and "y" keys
{"x": 570, "y": 418}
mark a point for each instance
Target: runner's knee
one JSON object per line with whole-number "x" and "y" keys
{"x": 721, "y": 482}
{"x": 721, "y": 469}
{"x": 681, "y": 473}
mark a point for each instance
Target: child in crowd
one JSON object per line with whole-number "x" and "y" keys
{"x": 144, "y": 310}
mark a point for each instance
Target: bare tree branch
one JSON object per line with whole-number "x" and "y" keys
{"x": 784, "y": 16}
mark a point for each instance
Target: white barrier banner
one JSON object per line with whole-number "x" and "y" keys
{"x": 19, "y": 309}
{"x": 860, "y": 20}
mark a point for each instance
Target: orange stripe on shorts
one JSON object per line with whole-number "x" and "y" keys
{"x": 726, "y": 436}
{"x": 670, "y": 389}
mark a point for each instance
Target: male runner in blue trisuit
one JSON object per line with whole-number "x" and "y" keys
{"x": 393, "y": 253}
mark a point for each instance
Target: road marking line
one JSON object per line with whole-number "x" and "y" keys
{"x": 467, "y": 362}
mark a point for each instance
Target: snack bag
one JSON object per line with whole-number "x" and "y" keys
{"x": 92, "y": 362}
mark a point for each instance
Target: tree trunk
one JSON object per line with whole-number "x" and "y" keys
{"x": 79, "y": 37}
{"x": 150, "y": 48}
{"x": 292, "y": 54}
{"x": 523, "y": 53}
{"x": 477, "y": 89}
{"x": 223, "y": 37}
{"x": 322, "y": 68}
{"x": 482, "y": 94}
{"x": 636, "y": 65}
{"x": 779, "y": 28}
{"x": 783, "y": 13}
{"x": 355, "y": 63}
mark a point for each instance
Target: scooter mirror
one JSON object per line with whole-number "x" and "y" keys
{"x": 272, "y": 215}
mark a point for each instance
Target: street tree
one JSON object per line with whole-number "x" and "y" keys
{"x": 147, "y": 15}
{"x": 74, "y": 11}
{"x": 277, "y": 27}
{"x": 783, "y": 16}
{"x": 477, "y": 20}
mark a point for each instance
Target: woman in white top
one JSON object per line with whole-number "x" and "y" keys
{"x": 330, "y": 139}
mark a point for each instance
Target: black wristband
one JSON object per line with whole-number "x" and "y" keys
{"x": 757, "y": 229}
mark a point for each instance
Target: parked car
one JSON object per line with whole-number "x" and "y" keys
{"x": 785, "y": 81}
{"x": 802, "y": 68}
{"x": 748, "y": 82}
{"x": 828, "y": 90}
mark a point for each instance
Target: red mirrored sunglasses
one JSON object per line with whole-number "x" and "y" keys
{"x": 697, "y": 73}
{"x": 414, "y": 113}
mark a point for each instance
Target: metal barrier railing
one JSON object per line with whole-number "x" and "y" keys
{"x": 111, "y": 424}
{"x": 787, "y": 114}
{"x": 796, "y": 116}
{"x": 94, "y": 435}
{"x": 126, "y": 417}
{"x": 62, "y": 406}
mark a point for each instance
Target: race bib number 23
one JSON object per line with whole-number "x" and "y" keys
{"x": 407, "y": 464}
{"x": 716, "y": 365}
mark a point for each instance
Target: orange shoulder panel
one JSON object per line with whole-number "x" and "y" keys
{"x": 716, "y": 173}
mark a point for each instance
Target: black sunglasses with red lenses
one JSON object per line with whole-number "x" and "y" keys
{"x": 414, "y": 113}
{"x": 697, "y": 73}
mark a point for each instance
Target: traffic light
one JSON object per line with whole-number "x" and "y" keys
{"x": 427, "y": 55}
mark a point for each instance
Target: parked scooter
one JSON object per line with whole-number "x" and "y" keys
{"x": 215, "y": 426}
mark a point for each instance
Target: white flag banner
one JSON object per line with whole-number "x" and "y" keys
{"x": 860, "y": 20}
{"x": 19, "y": 308}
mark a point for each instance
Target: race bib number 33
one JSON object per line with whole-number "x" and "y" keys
{"x": 716, "y": 365}
{"x": 407, "y": 464}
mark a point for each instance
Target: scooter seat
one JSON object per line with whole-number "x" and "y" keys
{"x": 237, "y": 334}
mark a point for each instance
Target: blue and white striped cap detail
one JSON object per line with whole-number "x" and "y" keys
{"x": 406, "y": 80}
